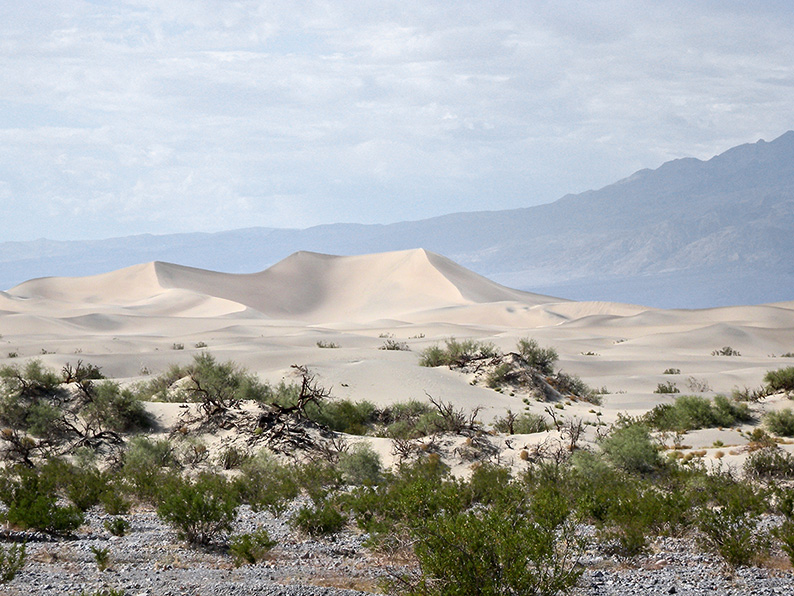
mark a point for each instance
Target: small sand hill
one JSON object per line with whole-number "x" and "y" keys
{"x": 136, "y": 290}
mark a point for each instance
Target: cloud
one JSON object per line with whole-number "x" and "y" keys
{"x": 142, "y": 116}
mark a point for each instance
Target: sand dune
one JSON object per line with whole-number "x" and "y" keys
{"x": 132, "y": 320}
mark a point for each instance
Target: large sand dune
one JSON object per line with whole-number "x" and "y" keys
{"x": 136, "y": 320}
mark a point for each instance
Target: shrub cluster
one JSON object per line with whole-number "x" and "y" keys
{"x": 690, "y": 412}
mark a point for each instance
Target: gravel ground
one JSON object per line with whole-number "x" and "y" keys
{"x": 149, "y": 560}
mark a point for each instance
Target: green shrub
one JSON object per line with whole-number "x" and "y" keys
{"x": 12, "y": 560}
{"x": 726, "y": 351}
{"x": 457, "y": 353}
{"x": 101, "y": 557}
{"x": 668, "y": 387}
{"x": 117, "y": 526}
{"x": 690, "y": 412}
{"x": 516, "y": 547}
{"x": 360, "y": 465}
{"x": 573, "y": 385}
{"x": 499, "y": 376}
{"x": 32, "y": 501}
{"x": 542, "y": 359}
{"x": 732, "y": 528}
{"x": 344, "y": 415}
{"x": 146, "y": 465}
{"x": 232, "y": 457}
{"x": 780, "y": 422}
{"x": 250, "y": 548}
{"x": 672, "y": 371}
{"x": 268, "y": 484}
{"x": 319, "y": 519}
{"x": 524, "y": 423}
{"x": 781, "y": 380}
{"x": 769, "y": 463}
{"x": 631, "y": 448}
{"x": 394, "y": 345}
{"x": 116, "y": 409}
{"x": 200, "y": 510}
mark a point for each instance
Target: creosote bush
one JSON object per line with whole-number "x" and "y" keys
{"x": 457, "y": 353}
{"x": 781, "y": 380}
{"x": 690, "y": 412}
{"x": 201, "y": 510}
{"x": 250, "y": 548}
{"x": 780, "y": 422}
{"x": 12, "y": 560}
{"x": 543, "y": 359}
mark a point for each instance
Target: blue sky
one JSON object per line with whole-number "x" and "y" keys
{"x": 142, "y": 116}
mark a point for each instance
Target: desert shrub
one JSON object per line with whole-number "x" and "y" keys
{"x": 85, "y": 486}
{"x": 781, "y": 380}
{"x": 769, "y": 463}
{"x": 457, "y": 353}
{"x": 116, "y": 409}
{"x": 698, "y": 385}
{"x": 360, "y": 465}
{"x": 690, "y": 412}
{"x": 117, "y": 526}
{"x": 31, "y": 498}
{"x": 232, "y": 457}
{"x": 780, "y": 422}
{"x": 631, "y": 448}
{"x": 785, "y": 535}
{"x": 200, "y": 510}
{"x": 748, "y": 394}
{"x": 344, "y": 415}
{"x": 572, "y": 385}
{"x": 217, "y": 386}
{"x": 394, "y": 345}
{"x": 327, "y": 344}
{"x": 250, "y": 548}
{"x": 101, "y": 557}
{"x": 671, "y": 371}
{"x": 319, "y": 519}
{"x": 499, "y": 375}
{"x": 726, "y": 351}
{"x": 526, "y": 546}
{"x": 146, "y": 464}
{"x": 543, "y": 359}
{"x": 318, "y": 479}
{"x": 419, "y": 489}
{"x": 268, "y": 484}
{"x": 408, "y": 420}
{"x": 668, "y": 387}
{"x": 732, "y": 527}
{"x": 12, "y": 560}
{"x": 524, "y": 423}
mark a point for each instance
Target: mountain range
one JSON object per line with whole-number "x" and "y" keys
{"x": 689, "y": 234}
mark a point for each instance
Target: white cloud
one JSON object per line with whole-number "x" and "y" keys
{"x": 146, "y": 116}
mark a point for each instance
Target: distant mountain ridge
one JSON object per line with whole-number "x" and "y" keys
{"x": 688, "y": 234}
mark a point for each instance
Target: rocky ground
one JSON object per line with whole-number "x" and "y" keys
{"x": 150, "y": 560}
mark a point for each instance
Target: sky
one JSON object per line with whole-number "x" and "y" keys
{"x": 124, "y": 117}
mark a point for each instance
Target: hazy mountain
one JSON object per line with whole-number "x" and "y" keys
{"x": 689, "y": 234}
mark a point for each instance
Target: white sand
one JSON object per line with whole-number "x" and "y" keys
{"x": 128, "y": 321}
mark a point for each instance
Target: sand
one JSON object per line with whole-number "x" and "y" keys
{"x": 130, "y": 323}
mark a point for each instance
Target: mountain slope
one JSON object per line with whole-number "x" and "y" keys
{"x": 689, "y": 234}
